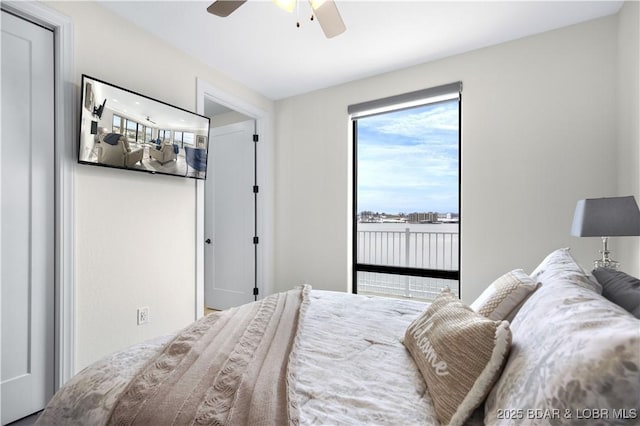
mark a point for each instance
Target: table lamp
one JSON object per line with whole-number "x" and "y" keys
{"x": 606, "y": 217}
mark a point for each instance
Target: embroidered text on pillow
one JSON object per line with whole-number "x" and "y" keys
{"x": 439, "y": 367}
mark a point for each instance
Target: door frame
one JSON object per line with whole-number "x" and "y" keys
{"x": 64, "y": 164}
{"x": 209, "y": 91}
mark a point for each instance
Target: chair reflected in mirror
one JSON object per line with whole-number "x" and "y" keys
{"x": 116, "y": 151}
{"x": 163, "y": 153}
{"x": 196, "y": 159}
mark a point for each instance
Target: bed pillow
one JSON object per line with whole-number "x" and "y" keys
{"x": 620, "y": 288}
{"x": 504, "y": 297}
{"x": 560, "y": 266}
{"x": 460, "y": 354}
{"x": 574, "y": 352}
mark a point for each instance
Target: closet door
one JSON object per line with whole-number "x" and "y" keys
{"x": 27, "y": 217}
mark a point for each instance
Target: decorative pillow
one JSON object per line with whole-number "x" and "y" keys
{"x": 574, "y": 354}
{"x": 460, "y": 354}
{"x": 502, "y": 299}
{"x": 111, "y": 138}
{"x": 560, "y": 266}
{"x": 620, "y": 288}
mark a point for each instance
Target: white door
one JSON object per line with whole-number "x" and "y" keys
{"x": 230, "y": 256}
{"x": 27, "y": 217}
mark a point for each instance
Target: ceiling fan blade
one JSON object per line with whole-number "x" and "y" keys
{"x": 224, "y": 8}
{"x": 328, "y": 16}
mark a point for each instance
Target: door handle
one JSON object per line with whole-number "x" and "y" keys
{"x": 208, "y": 241}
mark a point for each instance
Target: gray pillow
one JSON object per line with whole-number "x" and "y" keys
{"x": 620, "y": 288}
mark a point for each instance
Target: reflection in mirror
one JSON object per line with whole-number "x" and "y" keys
{"x": 123, "y": 129}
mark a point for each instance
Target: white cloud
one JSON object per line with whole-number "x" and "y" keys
{"x": 415, "y": 121}
{"x": 408, "y": 160}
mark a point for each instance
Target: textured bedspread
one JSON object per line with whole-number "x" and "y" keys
{"x": 350, "y": 368}
{"x": 88, "y": 398}
{"x": 230, "y": 368}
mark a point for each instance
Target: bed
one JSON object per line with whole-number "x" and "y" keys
{"x": 544, "y": 348}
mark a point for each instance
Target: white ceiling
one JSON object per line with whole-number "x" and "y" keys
{"x": 259, "y": 45}
{"x": 144, "y": 110}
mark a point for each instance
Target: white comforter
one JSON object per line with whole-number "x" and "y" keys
{"x": 352, "y": 368}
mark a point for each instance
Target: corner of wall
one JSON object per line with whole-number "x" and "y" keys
{"x": 629, "y": 122}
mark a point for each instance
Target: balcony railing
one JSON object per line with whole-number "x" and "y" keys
{"x": 413, "y": 249}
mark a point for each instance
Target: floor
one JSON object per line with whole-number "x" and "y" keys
{"x": 208, "y": 311}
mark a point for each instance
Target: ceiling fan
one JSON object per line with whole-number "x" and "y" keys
{"x": 150, "y": 120}
{"x": 324, "y": 10}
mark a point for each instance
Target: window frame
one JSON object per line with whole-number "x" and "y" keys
{"x": 382, "y": 106}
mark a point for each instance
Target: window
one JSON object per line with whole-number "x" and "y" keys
{"x": 188, "y": 137}
{"x": 117, "y": 120}
{"x": 406, "y": 187}
{"x": 133, "y": 130}
{"x": 140, "y": 134}
{"x": 183, "y": 138}
{"x": 130, "y": 129}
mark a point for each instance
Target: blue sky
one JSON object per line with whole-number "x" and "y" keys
{"x": 408, "y": 160}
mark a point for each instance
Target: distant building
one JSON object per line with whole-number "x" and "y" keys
{"x": 423, "y": 217}
{"x": 430, "y": 217}
{"x": 450, "y": 218}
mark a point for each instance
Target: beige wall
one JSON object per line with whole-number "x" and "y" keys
{"x": 135, "y": 232}
{"x": 539, "y": 132}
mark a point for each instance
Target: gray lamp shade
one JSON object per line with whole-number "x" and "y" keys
{"x": 606, "y": 217}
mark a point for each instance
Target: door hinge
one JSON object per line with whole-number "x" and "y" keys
{"x": 256, "y": 189}
{"x": 256, "y": 240}
{"x": 255, "y": 291}
{"x": 255, "y": 138}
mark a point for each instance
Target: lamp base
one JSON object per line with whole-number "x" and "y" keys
{"x": 606, "y": 261}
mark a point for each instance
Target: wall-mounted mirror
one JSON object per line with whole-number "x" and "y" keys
{"x": 123, "y": 129}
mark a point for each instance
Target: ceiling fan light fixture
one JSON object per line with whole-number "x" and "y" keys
{"x": 324, "y": 11}
{"x": 287, "y": 5}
